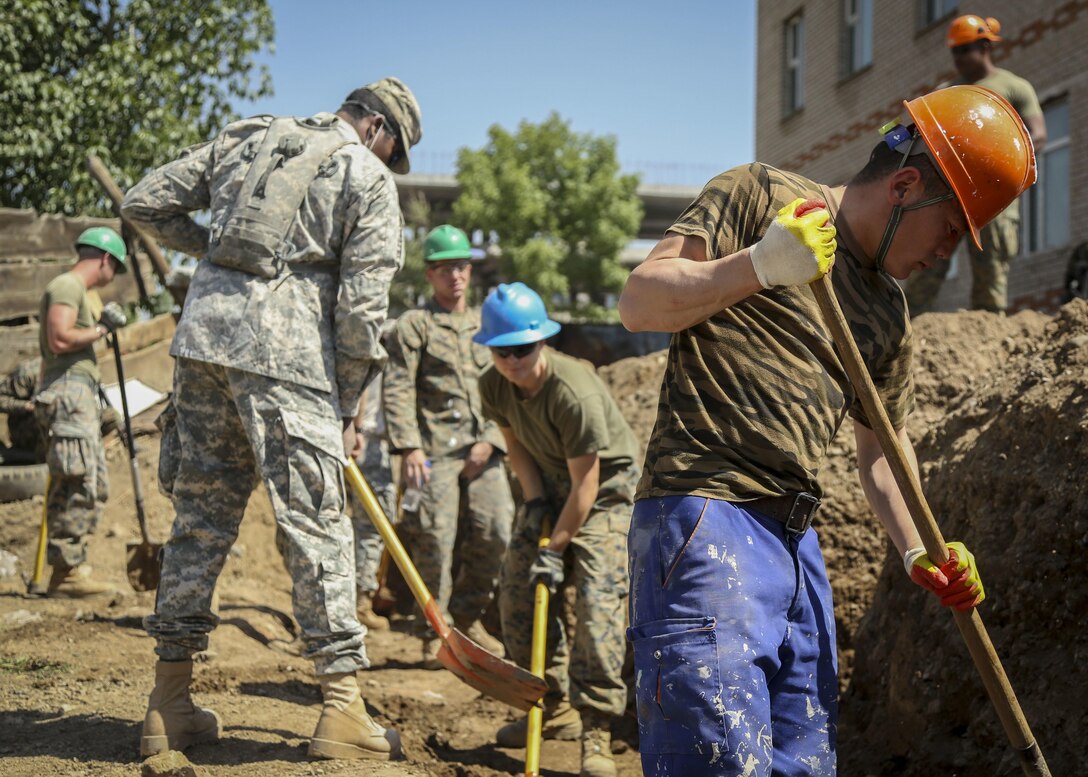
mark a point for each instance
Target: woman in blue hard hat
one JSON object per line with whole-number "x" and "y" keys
{"x": 574, "y": 457}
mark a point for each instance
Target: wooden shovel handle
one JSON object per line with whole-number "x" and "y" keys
{"x": 969, "y": 623}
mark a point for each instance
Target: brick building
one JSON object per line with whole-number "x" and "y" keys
{"x": 831, "y": 72}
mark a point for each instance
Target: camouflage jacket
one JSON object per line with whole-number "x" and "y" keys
{"x": 318, "y": 323}
{"x": 431, "y": 391}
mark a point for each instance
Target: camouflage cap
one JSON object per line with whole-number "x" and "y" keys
{"x": 402, "y": 110}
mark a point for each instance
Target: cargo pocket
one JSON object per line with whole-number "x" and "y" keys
{"x": 70, "y": 454}
{"x": 315, "y": 455}
{"x": 678, "y": 688}
{"x": 169, "y": 449}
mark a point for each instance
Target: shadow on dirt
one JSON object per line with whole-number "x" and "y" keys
{"x": 69, "y": 737}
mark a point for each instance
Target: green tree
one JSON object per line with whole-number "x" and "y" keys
{"x": 133, "y": 82}
{"x": 557, "y": 202}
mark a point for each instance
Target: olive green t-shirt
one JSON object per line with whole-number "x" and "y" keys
{"x": 1018, "y": 91}
{"x": 752, "y": 397}
{"x": 572, "y": 415}
{"x": 66, "y": 289}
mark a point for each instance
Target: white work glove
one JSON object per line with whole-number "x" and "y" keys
{"x": 113, "y": 317}
{"x": 799, "y": 246}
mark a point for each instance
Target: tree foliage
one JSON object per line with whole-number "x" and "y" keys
{"x": 557, "y": 202}
{"x": 133, "y": 82}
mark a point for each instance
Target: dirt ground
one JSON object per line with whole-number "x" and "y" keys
{"x": 1001, "y": 432}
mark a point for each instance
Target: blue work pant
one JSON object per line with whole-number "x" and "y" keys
{"x": 734, "y": 640}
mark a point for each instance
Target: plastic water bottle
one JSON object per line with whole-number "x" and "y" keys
{"x": 412, "y": 495}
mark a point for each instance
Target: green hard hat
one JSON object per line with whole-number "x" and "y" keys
{"x": 107, "y": 240}
{"x": 446, "y": 242}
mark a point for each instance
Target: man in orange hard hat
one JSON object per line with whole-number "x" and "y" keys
{"x": 971, "y": 39}
{"x": 731, "y": 615}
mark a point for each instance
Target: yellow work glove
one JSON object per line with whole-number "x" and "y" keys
{"x": 799, "y": 246}
{"x": 956, "y": 582}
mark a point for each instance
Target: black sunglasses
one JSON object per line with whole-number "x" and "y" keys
{"x": 517, "y": 351}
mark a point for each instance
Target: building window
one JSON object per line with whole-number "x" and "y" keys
{"x": 931, "y": 11}
{"x": 858, "y": 35}
{"x": 1044, "y": 221}
{"x": 794, "y": 64}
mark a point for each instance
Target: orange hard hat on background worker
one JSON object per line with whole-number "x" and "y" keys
{"x": 968, "y": 29}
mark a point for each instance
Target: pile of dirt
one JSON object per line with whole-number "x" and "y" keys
{"x": 1005, "y": 471}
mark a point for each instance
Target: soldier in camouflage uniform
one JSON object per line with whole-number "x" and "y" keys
{"x": 574, "y": 457}
{"x": 971, "y": 39}
{"x": 732, "y": 622}
{"x": 432, "y": 406}
{"x": 68, "y": 411}
{"x": 278, "y": 339}
{"x": 16, "y": 401}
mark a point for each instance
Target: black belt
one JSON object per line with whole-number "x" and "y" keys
{"x": 796, "y": 511}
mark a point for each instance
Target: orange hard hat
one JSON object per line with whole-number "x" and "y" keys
{"x": 981, "y": 145}
{"x": 970, "y": 28}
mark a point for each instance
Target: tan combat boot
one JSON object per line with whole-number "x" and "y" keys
{"x": 431, "y": 646}
{"x": 75, "y": 583}
{"x": 172, "y": 721}
{"x": 345, "y": 730}
{"x": 597, "y": 747}
{"x": 478, "y": 634}
{"x": 365, "y": 612}
{"x": 561, "y": 721}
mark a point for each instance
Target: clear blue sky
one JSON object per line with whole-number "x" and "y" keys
{"x": 672, "y": 81}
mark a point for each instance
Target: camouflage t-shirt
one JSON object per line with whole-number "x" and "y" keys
{"x": 572, "y": 415}
{"x": 67, "y": 289}
{"x": 752, "y": 397}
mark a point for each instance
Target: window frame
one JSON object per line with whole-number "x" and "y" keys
{"x": 932, "y": 12}
{"x": 793, "y": 64}
{"x": 1033, "y": 204}
{"x": 855, "y": 25}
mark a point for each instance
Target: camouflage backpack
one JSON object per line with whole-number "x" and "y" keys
{"x": 252, "y": 239}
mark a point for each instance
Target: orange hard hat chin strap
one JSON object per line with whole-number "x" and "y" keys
{"x": 898, "y": 210}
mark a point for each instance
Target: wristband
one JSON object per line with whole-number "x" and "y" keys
{"x": 911, "y": 556}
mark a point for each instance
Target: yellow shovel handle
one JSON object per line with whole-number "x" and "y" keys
{"x": 393, "y": 545}
{"x": 43, "y": 540}
{"x": 537, "y": 659}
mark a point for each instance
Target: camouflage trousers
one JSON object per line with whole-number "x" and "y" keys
{"x": 989, "y": 268}
{"x": 68, "y": 413}
{"x": 232, "y": 427}
{"x": 475, "y": 518}
{"x": 378, "y": 472}
{"x": 589, "y": 668}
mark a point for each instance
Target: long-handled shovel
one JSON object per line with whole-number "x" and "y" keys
{"x": 537, "y": 657}
{"x": 141, "y": 558}
{"x": 484, "y": 671}
{"x": 969, "y": 623}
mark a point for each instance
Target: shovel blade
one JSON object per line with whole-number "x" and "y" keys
{"x": 142, "y": 565}
{"x": 490, "y": 675}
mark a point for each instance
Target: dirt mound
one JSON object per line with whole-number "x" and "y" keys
{"x": 1007, "y": 471}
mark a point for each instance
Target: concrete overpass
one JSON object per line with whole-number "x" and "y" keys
{"x": 661, "y": 204}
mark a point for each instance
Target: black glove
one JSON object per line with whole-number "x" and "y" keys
{"x": 531, "y": 518}
{"x": 113, "y": 317}
{"x": 547, "y": 569}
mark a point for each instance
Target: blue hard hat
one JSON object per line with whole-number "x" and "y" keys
{"x": 514, "y": 314}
